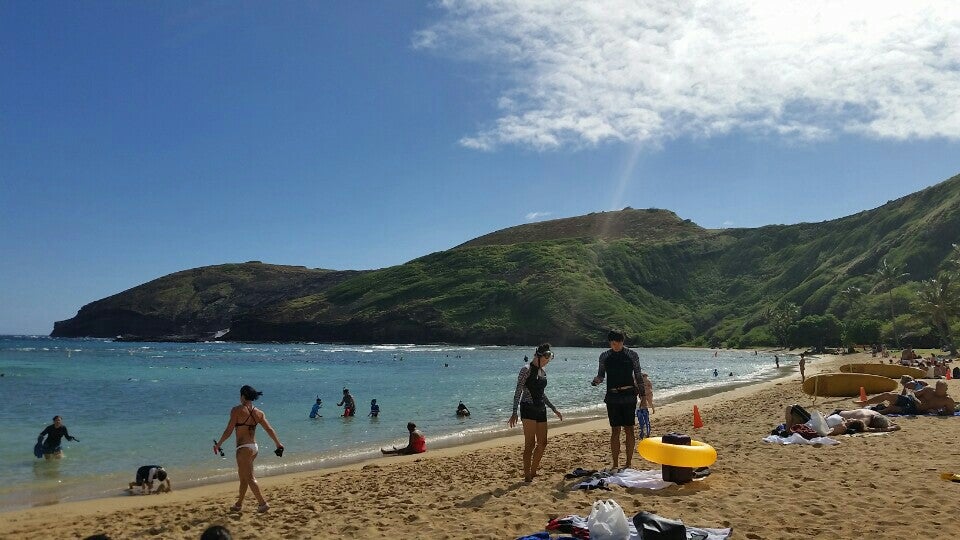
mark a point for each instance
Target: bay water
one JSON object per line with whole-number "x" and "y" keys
{"x": 133, "y": 404}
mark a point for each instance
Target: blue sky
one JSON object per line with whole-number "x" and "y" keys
{"x": 139, "y": 139}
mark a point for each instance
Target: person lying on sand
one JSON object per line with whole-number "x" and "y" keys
{"x": 874, "y": 421}
{"x": 841, "y": 422}
{"x": 923, "y": 401}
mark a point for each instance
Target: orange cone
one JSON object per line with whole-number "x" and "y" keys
{"x": 863, "y": 395}
{"x": 697, "y": 421}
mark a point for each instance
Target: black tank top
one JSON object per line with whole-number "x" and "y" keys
{"x": 536, "y": 384}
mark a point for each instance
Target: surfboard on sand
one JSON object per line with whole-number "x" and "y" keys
{"x": 38, "y": 450}
{"x": 847, "y": 384}
{"x": 892, "y": 371}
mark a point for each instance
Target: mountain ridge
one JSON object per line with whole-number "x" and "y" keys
{"x": 665, "y": 280}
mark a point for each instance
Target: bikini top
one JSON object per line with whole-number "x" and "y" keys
{"x": 249, "y": 416}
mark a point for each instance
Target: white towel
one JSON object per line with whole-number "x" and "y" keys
{"x": 797, "y": 439}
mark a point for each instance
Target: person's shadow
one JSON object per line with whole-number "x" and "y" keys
{"x": 479, "y": 500}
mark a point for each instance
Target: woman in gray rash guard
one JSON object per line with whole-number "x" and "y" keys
{"x": 529, "y": 396}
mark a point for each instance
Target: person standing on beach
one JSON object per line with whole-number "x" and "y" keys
{"x": 802, "y": 364}
{"x": 530, "y": 398}
{"x": 645, "y": 408}
{"x": 621, "y": 368}
{"x": 244, "y": 418}
{"x": 54, "y": 433}
{"x": 776, "y": 360}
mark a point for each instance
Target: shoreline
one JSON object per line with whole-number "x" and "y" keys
{"x": 480, "y": 437}
{"x": 492, "y": 440}
{"x": 474, "y": 490}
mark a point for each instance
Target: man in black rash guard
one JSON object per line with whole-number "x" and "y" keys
{"x": 54, "y": 433}
{"x": 621, "y": 367}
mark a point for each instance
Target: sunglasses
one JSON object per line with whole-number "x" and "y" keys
{"x": 548, "y": 354}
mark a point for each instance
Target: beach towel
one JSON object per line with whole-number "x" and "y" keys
{"x": 957, "y": 413}
{"x": 579, "y": 472}
{"x": 577, "y": 526}
{"x": 797, "y": 439}
{"x": 693, "y": 533}
{"x": 631, "y": 478}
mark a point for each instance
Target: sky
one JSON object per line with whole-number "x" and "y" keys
{"x": 143, "y": 138}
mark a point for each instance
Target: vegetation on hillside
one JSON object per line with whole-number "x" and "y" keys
{"x": 885, "y": 274}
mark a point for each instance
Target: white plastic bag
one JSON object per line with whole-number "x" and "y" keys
{"x": 819, "y": 423}
{"x": 607, "y": 521}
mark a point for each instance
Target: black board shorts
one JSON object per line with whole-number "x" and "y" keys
{"x": 143, "y": 473}
{"x": 533, "y": 411}
{"x": 621, "y": 408}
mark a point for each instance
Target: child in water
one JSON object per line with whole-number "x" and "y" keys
{"x": 643, "y": 410}
{"x": 374, "y": 408}
{"x": 315, "y": 410}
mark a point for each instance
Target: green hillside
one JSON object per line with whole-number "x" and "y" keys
{"x": 664, "y": 280}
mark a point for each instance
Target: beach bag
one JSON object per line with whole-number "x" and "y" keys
{"x": 653, "y": 527}
{"x": 804, "y": 431}
{"x": 607, "y": 521}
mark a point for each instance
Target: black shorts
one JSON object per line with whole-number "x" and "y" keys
{"x": 621, "y": 408}
{"x": 143, "y": 473}
{"x": 533, "y": 411}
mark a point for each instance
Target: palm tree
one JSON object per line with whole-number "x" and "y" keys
{"x": 940, "y": 299}
{"x": 888, "y": 277}
{"x": 850, "y": 296}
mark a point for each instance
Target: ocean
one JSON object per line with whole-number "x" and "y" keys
{"x": 133, "y": 404}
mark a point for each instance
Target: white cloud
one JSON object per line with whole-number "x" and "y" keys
{"x": 727, "y": 224}
{"x": 648, "y": 71}
{"x": 537, "y": 215}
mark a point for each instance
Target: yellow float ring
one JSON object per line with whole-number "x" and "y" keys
{"x": 698, "y": 454}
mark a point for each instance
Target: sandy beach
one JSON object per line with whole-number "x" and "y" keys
{"x": 876, "y": 486}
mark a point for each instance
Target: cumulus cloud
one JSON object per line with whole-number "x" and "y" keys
{"x": 537, "y": 215}
{"x": 647, "y": 71}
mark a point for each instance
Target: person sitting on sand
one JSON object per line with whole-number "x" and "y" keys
{"x": 145, "y": 477}
{"x": 416, "y": 445}
{"x": 462, "y": 410}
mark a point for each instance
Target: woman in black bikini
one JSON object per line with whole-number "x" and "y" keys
{"x": 533, "y": 405}
{"x": 244, "y": 418}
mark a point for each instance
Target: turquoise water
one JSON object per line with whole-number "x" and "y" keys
{"x": 133, "y": 404}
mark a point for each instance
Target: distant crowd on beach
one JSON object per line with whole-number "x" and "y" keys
{"x": 936, "y": 366}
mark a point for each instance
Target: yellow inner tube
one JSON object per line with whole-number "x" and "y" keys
{"x": 698, "y": 454}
